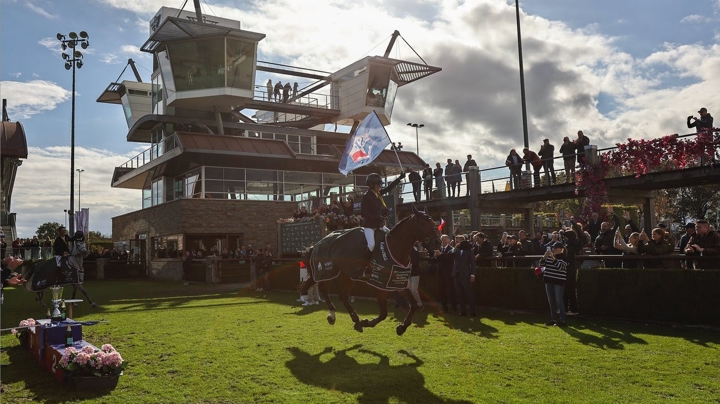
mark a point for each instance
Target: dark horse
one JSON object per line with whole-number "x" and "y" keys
{"x": 46, "y": 273}
{"x": 340, "y": 255}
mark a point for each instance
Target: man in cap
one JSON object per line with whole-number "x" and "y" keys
{"x": 704, "y": 123}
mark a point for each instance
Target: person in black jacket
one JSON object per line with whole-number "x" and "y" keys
{"x": 466, "y": 168}
{"x": 704, "y": 123}
{"x": 415, "y": 181}
{"x": 373, "y": 209}
{"x": 580, "y": 144}
{"x": 444, "y": 259}
{"x": 61, "y": 246}
{"x": 464, "y": 272}
{"x": 547, "y": 153}
{"x": 428, "y": 177}
{"x": 482, "y": 248}
{"x": 568, "y": 151}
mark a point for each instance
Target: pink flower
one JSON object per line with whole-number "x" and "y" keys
{"x": 14, "y": 331}
{"x": 88, "y": 349}
{"x": 107, "y": 348}
{"x": 82, "y": 358}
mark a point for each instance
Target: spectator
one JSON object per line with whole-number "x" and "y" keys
{"x": 689, "y": 232}
{"x": 446, "y": 289}
{"x": 514, "y": 162}
{"x": 568, "y": 151}
{"x": 269, "y": 90}
{"x": 414, "y": 283}
{"x": 17, "y": 247}
{"x": 9, "y": 277}
{"x": 278, "y": 88}
{"x": 580, "y": 144}
{"x": 509, "y": 247}
{"x": 605, "y": 244}
{"x": 186, "y": 265}
{"x": 466, "y": 169}
{"x": 428, "y": 178}
{"x": 348, "y": 208}
{"x": 554, "y": 278}
{"x": 334, "y": 207}
{"x": 525, "y": 242}
{"x": 286, "y": 92}
{"x": 3, "y": 247}
{"x": 704, "y": 243}
{"x": 464, "y": 274}
{"x": 628, "y": 248}
{"x": 547, "y": 154}
{"x": 531, "y": 157}
{"x": 295, "y": 89}
{"x": 594, "y": 226}
{"x": 35, "y": 248}
{"x": 439, "y": 180}
{"x": 630, "y": 226}
{"x": 458, "y": 177}
{"x": 301, "y": 213}
{"x": 668, "y": 235}
{"x": 450, "y": 178}
{"x": 573, "y": 247}
{"x": 416, "y": 181}
{"x": 704, "y": 123}
{"x": 658, "y": 245}
{"x": 482, "y": 247}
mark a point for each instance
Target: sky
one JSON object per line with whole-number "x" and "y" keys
{"x": 614, "y": 69}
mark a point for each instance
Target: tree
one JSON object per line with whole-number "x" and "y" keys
{"x": 691, "y": 203}
{"x": 49, "y": 229}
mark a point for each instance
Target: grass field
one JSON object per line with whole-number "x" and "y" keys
{"x": 218, "y": 344}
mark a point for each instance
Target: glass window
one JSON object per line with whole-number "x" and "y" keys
{"x": 302, "y": 178}
{"x": 392, "y": 91}
{"x": 157, "y": 95}
{"x": 240, "y": 63}
{"x": 157, "y": 192}
{"x": 146, "y": 198}
{"x": 167, "y": 247}
{"x": 167, "y": 73}
{"x": 192, "y": 185}
{"x": 378, "y": 85}
{"x": 306, "y": 144}
{"x": 198, "y": 64}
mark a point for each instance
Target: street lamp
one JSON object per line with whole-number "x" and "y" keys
{"x": 65, "y": 217}
{"x": 417, "y": 140}
{"x": 79, "y": 171}
{"x": 522, "y": 82}
{"x": 73, "y": 59}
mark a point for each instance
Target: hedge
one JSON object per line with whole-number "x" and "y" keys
{"x": 668, "y": 295}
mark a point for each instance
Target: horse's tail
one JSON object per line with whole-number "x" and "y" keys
{"x": 305, "y": 263}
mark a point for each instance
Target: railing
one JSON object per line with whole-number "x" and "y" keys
{"x": 168, "y": 144}
{"x": 312, "y": 100}
{"x": 498, "y": 179}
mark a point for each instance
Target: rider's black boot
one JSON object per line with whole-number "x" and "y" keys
{"x": 367, "y": 269}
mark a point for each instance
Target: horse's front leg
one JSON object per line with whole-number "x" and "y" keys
{"x": 400, "y": 329}
{"x": 382, "y": 307}
{"x": 84, "y": 292}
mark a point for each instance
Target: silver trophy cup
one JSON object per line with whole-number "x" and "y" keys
{"x": 57, "y": 292}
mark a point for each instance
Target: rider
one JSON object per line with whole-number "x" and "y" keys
{"x": 373, "y": 211}
{"x": 62, "y": 246}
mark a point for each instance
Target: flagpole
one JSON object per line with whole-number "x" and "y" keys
{"x": 393, "y": 148}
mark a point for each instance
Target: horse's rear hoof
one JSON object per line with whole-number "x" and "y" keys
{"x": 365, "y": 322}
{"x": 331, "y": 319}
{"x": 358, "y": 327}
{"x": 400, "y": 329}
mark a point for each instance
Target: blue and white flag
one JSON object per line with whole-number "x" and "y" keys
{"x": 82, "y": 220}
{"x": 368, "y": 141}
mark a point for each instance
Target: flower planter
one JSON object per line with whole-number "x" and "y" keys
{"x": 85, "y": 383}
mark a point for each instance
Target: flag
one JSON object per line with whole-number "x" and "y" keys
{"x": 441, "y": 225}
{"x": 368, "y": 141}
{"x": 82, "y": 220}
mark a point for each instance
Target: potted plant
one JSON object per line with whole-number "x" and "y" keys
{"x": 92, "y": 369}
{"x": 23, "y": 334}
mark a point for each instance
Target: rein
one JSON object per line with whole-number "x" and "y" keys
{"x": 401, "y": 241}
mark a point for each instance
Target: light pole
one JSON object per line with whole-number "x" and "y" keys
{"x": 522, "y": 82}
{"x": 65, "y": 217}
{"x": 417, "y": 139}
{"x": 79, "y": 171}
{"x": 73, "y": 60}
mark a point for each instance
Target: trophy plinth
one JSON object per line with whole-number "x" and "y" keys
{"x": 57, "y": 292}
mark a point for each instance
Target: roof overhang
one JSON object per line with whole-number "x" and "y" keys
{"x": 12, "y": 140}
{"x": 407, "y": 72}
{"x": 178, "y": 29}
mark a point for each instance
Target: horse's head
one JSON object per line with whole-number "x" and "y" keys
{"x": 79, "y": 245}
{"x": 425, "y": 229}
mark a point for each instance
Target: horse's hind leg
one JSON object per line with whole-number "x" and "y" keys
{"x": 322, "y": 287}
{"x": 39, "y": 298}
{"x": 400, "y": 329}
{"x": 84, "y": 292}
{"x": 346, "y": 285}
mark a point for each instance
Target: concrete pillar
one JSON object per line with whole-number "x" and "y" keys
{"x": 503, "y": 222}
{"x": 529, "y": 222}
{"x": 649, "y": 214}
{"x": 473, "y": 180}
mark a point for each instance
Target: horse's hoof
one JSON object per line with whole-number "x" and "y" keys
{"x": 94, "y": 306}
{"x": 400, "y": 329}
{"x": 331, "y": 319}
{"x": 365, "y": 322}
{"x": 358, "y": 327}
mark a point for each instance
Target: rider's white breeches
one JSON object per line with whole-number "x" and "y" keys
{"x": 370, "y": 237}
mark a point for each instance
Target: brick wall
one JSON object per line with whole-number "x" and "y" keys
{"x": 256, "y": 220}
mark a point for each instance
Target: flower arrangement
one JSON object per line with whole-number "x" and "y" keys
{"x": 91, "y": 362}
{"x": 23, "y": 332}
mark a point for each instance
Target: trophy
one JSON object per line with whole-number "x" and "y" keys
{"x": 57, "y": 292}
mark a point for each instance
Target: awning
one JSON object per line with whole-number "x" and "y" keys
{"x": 178, "y": 29}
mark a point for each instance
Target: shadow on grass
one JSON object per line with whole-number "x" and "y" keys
{"x": 373, "y": 382}
{"x": 43, "y": 386}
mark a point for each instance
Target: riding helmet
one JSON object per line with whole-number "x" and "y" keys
{"x": 373, "y": 179}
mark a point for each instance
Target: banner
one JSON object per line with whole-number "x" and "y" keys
{"x": 82, "y": 220}
{"x": 368, "y": 141}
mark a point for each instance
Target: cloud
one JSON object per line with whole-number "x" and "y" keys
{"x": 16, "y": 75}
{"x": 132, "y": 50}
{"x": 694, "y": 19}
{"x": 138, "y": 6}
{"x": 36, "y": 204}
{"x": 26, "y": 99}
{"x": 50, "y": 43}
{"x": 40, "y": 11}
{"x": 109, "y": 58}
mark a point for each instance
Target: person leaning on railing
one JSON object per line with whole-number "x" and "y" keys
{"x": 657, "y": 245}
{"x": 704, "y": 243}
